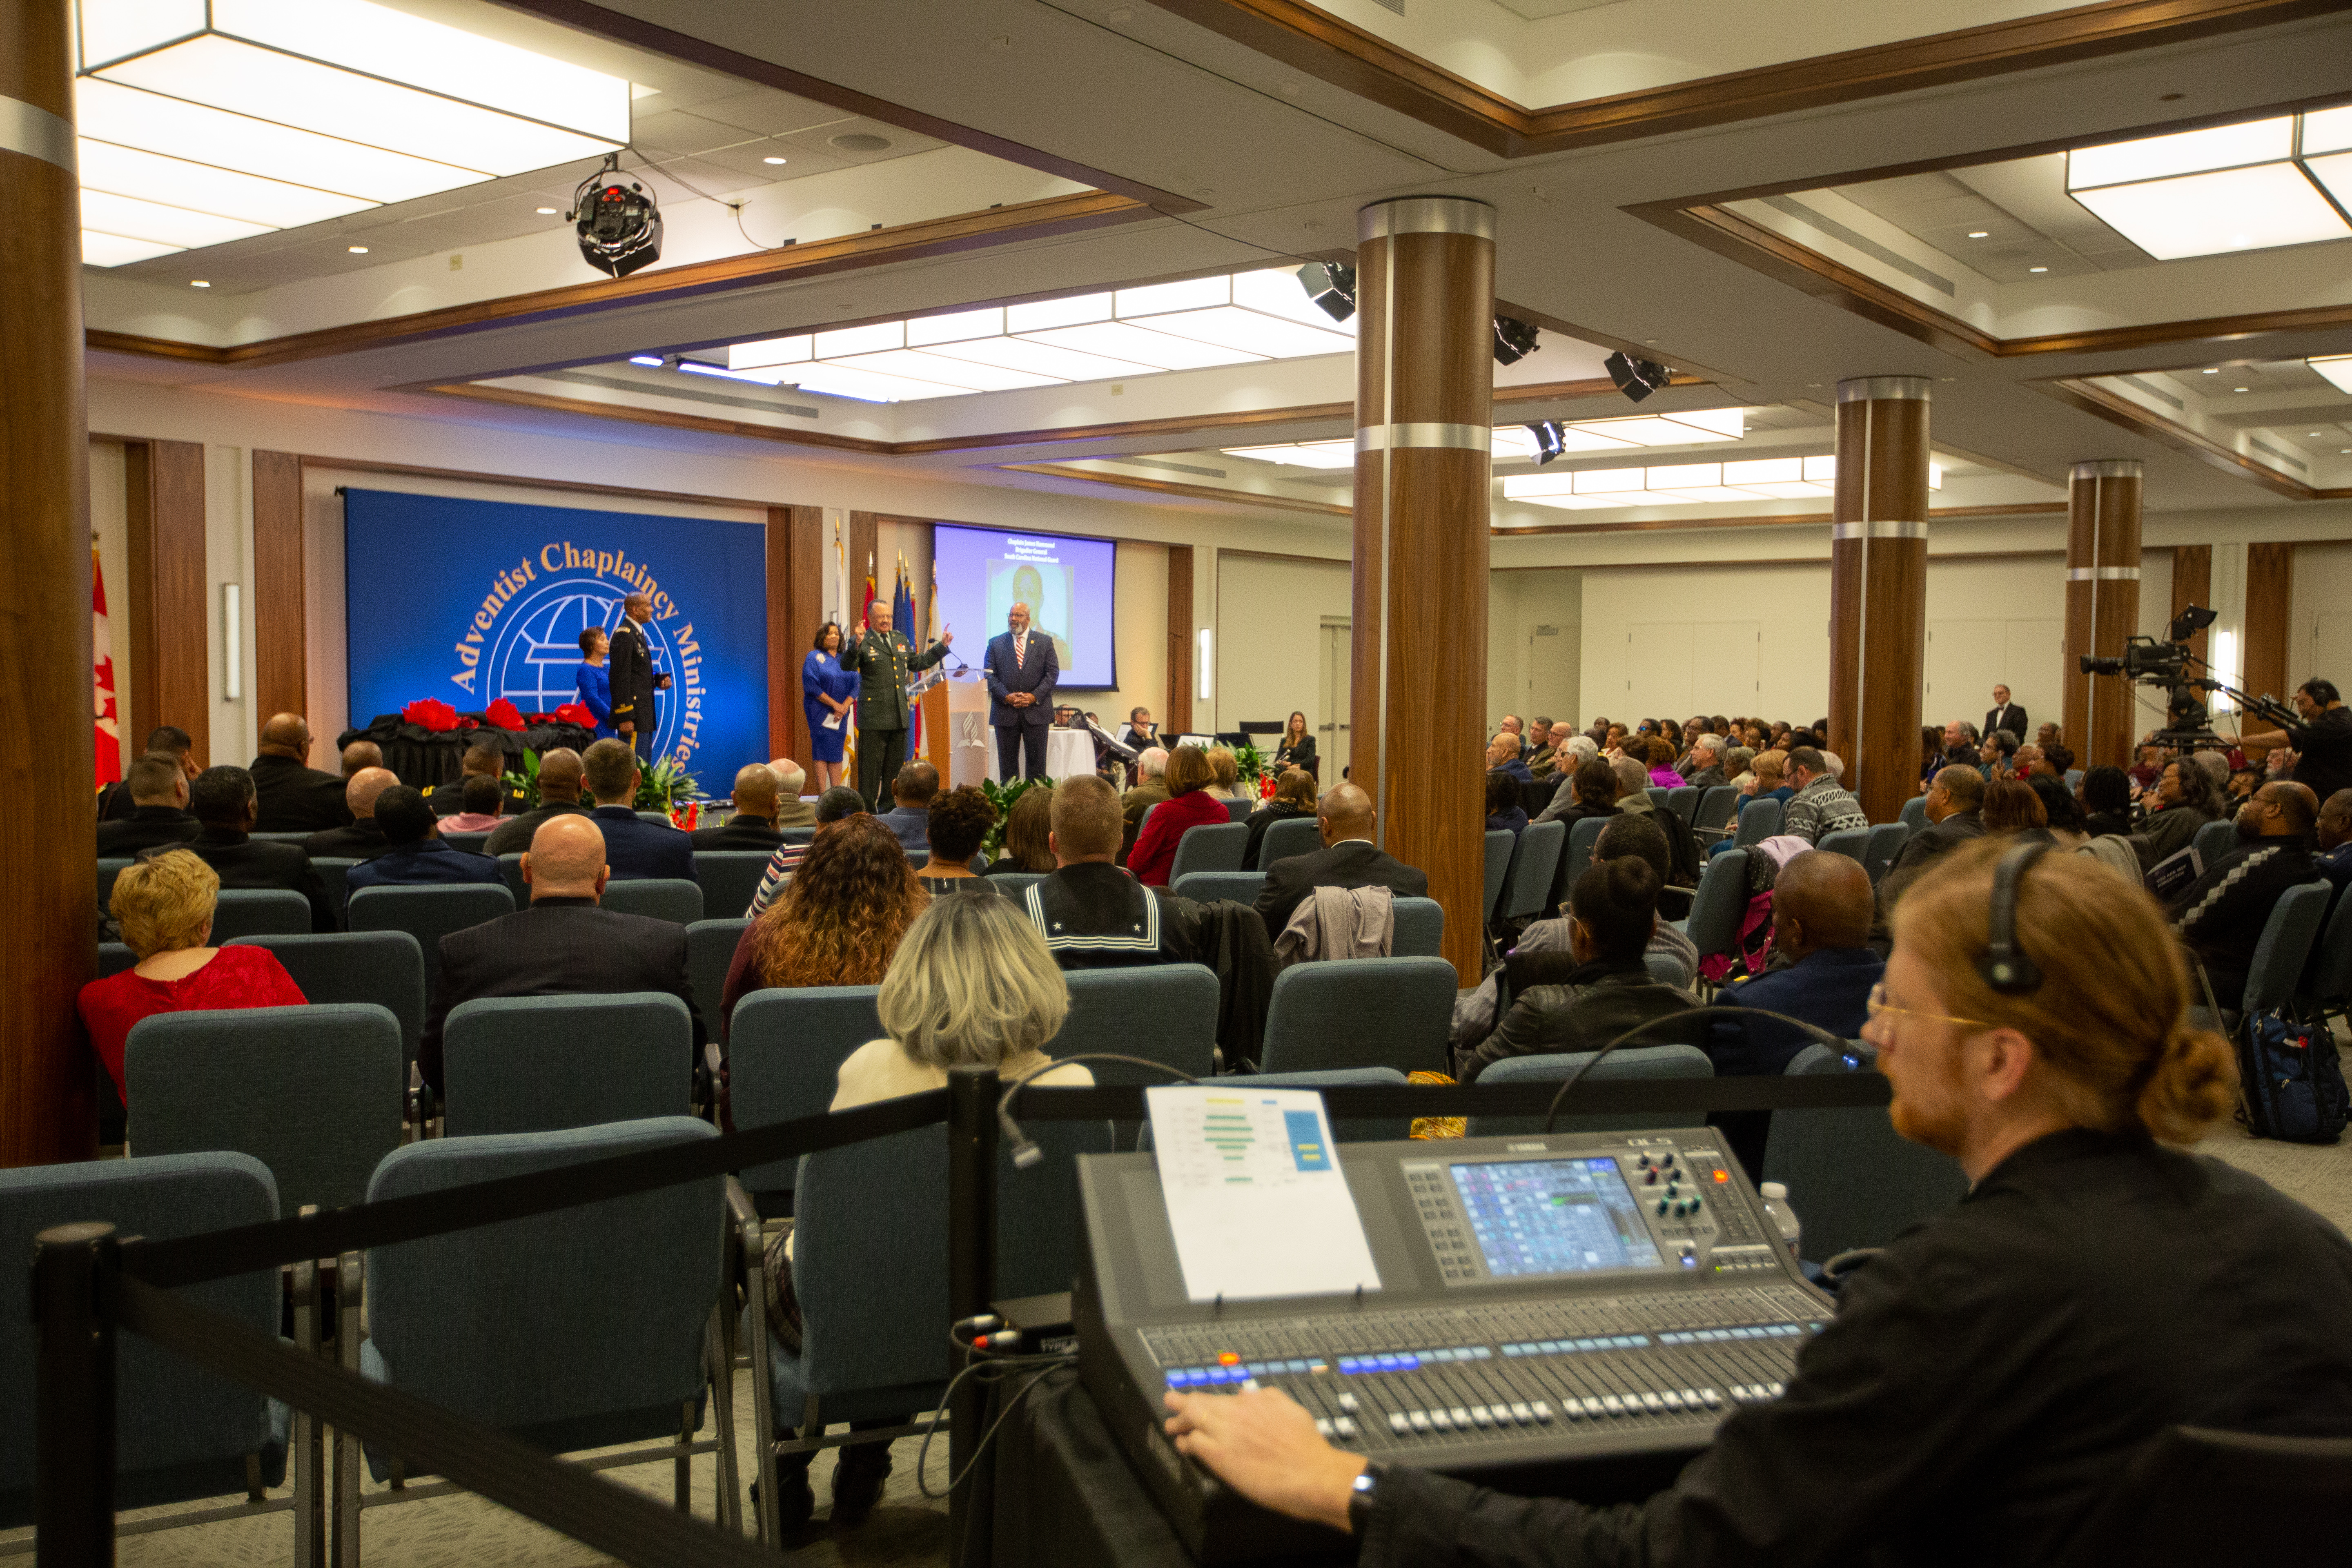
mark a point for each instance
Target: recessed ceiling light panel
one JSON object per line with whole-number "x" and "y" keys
{"x": 2338, "y": 369}
{"x": 2213, "y": 191}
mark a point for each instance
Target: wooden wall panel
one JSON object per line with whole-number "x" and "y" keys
{"x": 795, "y": 609}
{"x": 2270, "y": 597}
{"x": 278, "y": 678}
{"x": 2192, "y": 584}
{"x": 164, "y": 509}
{"x": 1176, "y": 715}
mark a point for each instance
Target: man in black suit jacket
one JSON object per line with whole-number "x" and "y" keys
{"x": 2006, "y": 715}
{"x": 486, "y": 758}
{"x": 559, "y": 777}
{"x": 634, "y": 849}
{"x": 158, "y": 792}
{"x": 633, "y": 676}
{"x": 224, "y": 801}
{"x": 116, "y": 802}
{"x": 1349, "y": 858}
{"x": 753, "y": 826}
{"x": 1022, "y": 675}
{"x": 562, "y": 945}
{"x": 363, "y": 839}
{"x": 293, "y": 796}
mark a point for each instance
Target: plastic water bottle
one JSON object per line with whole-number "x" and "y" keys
{"x": 1775, "y": 1207}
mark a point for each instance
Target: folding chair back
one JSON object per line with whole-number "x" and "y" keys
{"x": 539, "y": 1064}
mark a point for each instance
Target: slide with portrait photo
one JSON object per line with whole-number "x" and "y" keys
{"x": 1068, "y": 584}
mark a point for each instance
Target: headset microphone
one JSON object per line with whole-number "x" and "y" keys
{"x": 2003, "y": 967}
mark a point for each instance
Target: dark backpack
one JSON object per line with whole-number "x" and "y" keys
{"x": 2289, "y": 1081}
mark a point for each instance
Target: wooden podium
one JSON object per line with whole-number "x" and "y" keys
{"x": 955, "y": 729}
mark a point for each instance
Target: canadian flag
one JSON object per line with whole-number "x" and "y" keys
{"x": 101, "y": 645}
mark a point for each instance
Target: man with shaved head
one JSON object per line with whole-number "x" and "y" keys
{"x": 485, "y": 759}
{"x": 754, "y": 824}
{"x": 294, "y": 797}
{"x": 1349, "y": 858}
{"x": 560, "y": 777}
{"x": 564, "y": 945}
{"x": 2221, "y": 915}
{"x": 361, "y": 754}
{"x": 1821, "y": 971}
{"x": 363, "y": 837}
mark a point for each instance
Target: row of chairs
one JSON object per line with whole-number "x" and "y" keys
{"x": 1223, "y": 846}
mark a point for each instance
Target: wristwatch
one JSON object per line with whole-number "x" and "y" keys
{"x": 1359, "y": 1497}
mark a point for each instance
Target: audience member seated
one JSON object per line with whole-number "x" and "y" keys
{"x": 1706, "y": 756}
{"x": 363, "y": 836}
{"x": 2057, "y": 761}
{"x": 1092, "y": 914}
{"x": 960, "y": 819}
{"x": 1190, "y": 803}
{"x": 2064, "y": 812}
{"x": 1543, "y": 755}
{"x": 911, "y": 794}
{"x": 1772, "y": 769}
{"x": 1225, "y": 775}
{"x": 792, "y": 811}
{"x": 972, "y": 985}
{"x": 1633, "y": 800}
{"x": 158, "y": 791}
{"x": 483, "y": 800}
{"x": 1955, "y": 813}
{"x": 1998, "y": 754}
{"x": 2220, "y": 917}
{"x": 561, "y": 944}
{"x": 2147, "y": 766}
{"x": 2242, "y": 786}
{"x": 1294, "y": 797}
{"x": 1821, "y": 805}
{"x": 634, "y": 849}
{"x": 1028, "y": 843}
{"x": 224, "y": 802}
{"x": 116, "y": 802}
{"x": 164, "y": 906}
{"x": 1502, "y": 757}
{"x": 836, "y": 922}
{"x": 839, "y": 803}
{"x": 1739, "y": 770}
{"x": 1544, "y": 945}
{"x": 561, "y": 775}
{"x": 361, "y": 754}
{"x": 2186, "y": 800}
{"x": 1661, "y": 753}
{"x": 293, "y": 796}
{"x": 1590, "y": 791}
{"x": 1150, "y": 789}
{"x": 1612, "y": 911}
{"x": 2106, "y": 800}
{"x": 754, "y": 824}
{"x": 2334, "y": 860}
{"x": 1349, "y": 858}
{"x": 2012, "y": 809}
{"x": 1505, "y": 812}
{"x": 1822, "y": 970}
{"x": 414, "y": 851}
{"x": 485, "y": 759}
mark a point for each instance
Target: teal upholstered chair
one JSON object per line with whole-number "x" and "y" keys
{"x": 1241, "y": 887}
{"x": 1853, "y": 1180}
{"x": 672, "y": 899}
{"x": 1213, "y": 846}
{"x": 1420, "y": 928}
{"x": 1365, "y": 1012}
{"x": 1292, "y": 835}
{"x": 728, "y": 878}
{"x": 784, "y": 1051}
{"x": 538, "y": 1064}
{"x": 385, "y": 967}
{"x": 428, "y": 912}
{"x": 260, "y": 911}
{"x": 1670, "y": 1060}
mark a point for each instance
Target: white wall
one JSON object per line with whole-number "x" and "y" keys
{"x": 1535, "y": 646}
{"x": 1270, "y": 617}
{"x": 2319, "y": 638}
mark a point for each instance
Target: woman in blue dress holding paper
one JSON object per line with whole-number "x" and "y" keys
{"x": 829, "y": 697}
{"x": 592, "y": 681}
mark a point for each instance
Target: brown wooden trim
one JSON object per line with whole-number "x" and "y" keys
{"x": 581, "y": 16}
{"x": 1314, "y": 41}
{"x": 2270, "y": 607}
{"x": 669, "y": 419}
{"x": 1782, "y": 520}
{"x": 1744, "y": 562}
{"x": 1176, "y": 718}
{"x": 795, "y": 609}
{"x": 170, "y": 665}
{"x": 1170, "y": 487}
{"x": 526, "y": 481}
{"x": 876, "y": 248}
{"x": 2119, "y": 410}
{"x": 280, "y": 683}
{"x": 2192, "y": 584}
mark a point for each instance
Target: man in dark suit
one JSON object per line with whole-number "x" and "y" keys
{"x": 1502, "y": 757}
{"x": 1822, "y": 968}
{"x": 634, "y": 679}
{"x": 1349, "y": 858}
{"x": 1022, "y": 675}
{"x": 225, "y": 801}
{"x": 159, "y": 793}
{"x": 753, "y": 826}
{"x": 562, "y": 945}
{"x": 2006, "y": 715}
{"x": 117, "y": 804}
{"x": 634, "y": 849}
{"x": 1954, "y": 810}
{"x": 415, "y": 852}
{"x": 884, "y": 658}
{"x": 483, "y": 759}
{"x": 2220, "y": 918}
{"x": 363, "y": 839}
{"x": 559, "y": 777}
{"x": 1706, "y": 753}
{"x": 361, "y": 754}
{"x": 293, "y": 796}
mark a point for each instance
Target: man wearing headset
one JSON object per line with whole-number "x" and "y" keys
{"x": 1990, "y": 1374}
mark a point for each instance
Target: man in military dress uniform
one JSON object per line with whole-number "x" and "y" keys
{"x": 884, "y": 658}
{"x": 634, "y": 679}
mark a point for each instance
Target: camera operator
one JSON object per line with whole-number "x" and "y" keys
{"x": 2323, "y": 740}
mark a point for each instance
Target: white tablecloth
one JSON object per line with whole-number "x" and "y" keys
{"x": 1068, "y": 754}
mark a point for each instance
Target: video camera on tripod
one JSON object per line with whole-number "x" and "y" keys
{"x": 2187, "y": 724}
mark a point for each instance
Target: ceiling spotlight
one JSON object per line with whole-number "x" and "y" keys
{"x": 772, "y": 159}
{"x": 654, "y": 360}
{"x": 2037, "y": 269}
{"x": 620, "y": 227}
{"x": 1548, "y": 440}
{"x": 198, "y": 283}
{"x": 1514, "y": 339}
{"x": 2214, "y": 372}
{"x": 547, "y": 211}
{"x": 1979, "y": 234}
{"x": 1331, "y": 286}
{"x": 357, "y": 249}
{"x": 1636, "y": 378}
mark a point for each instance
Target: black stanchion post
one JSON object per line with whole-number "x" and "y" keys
{"x": 74, "y": 1399}
{"x": 972, "y": 1271}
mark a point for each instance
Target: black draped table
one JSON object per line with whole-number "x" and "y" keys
{"x": 425, "y": 757}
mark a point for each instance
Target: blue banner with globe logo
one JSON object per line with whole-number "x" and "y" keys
{"x": 470, "y": 601}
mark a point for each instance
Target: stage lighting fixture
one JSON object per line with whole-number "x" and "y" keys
{"x": 1636, "y": 378}
{"x": 1331, "y": 286}
{"x": 1514, "y": 339}
{"x": 1548, "y": 440}
{"x": 620, "y": 227}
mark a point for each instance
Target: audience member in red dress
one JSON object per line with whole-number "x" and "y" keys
{"x": 1190, "y": 803}
{"x": 164, "y": 905}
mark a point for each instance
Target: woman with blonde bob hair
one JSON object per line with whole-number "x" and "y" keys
{"x": 1989, "y": 1378}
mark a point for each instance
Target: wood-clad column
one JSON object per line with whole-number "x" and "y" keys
{"x": 47, "y": 896}
{"x": 1424, "y": 397}
{"x": 163, "y": 510}
{"x": 2192, "y": 584}
{"x": 2270, "y": 605}
{"x": 1176, "y": 717}
{"x": 2103, "y": 506}
{"x": 1878, "y": 588}
{"x": 795, "y": 610}
{"x": 280, "y": 677}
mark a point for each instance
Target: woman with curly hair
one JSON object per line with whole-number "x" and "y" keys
{"x": 1028, "y": 843}
{"x": 837, "y": 922}
{"x": 959, "y": 820}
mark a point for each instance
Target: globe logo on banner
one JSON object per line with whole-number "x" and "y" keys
{"x": 534, "y": 655}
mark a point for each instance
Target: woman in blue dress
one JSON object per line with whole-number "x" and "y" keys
{"x": 827, "y": 691}
{"x": 594, "y": 682}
